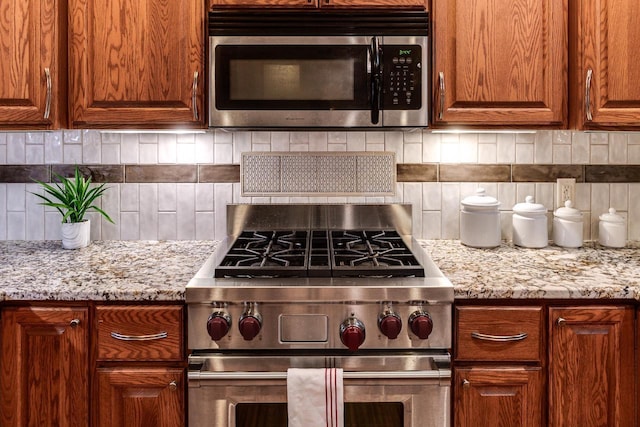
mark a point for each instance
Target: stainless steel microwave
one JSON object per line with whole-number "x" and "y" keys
{"x": 341, "y": 69}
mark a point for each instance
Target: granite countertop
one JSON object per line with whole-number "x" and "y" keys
{"x": 105, "y": 270}
{"x": 159, "y": 271}
{"x": 508, "y": 271}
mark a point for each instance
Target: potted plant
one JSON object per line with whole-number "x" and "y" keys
{"x": 73, "y": 198}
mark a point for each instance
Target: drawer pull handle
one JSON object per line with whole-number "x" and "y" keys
{"x": 561, "y": 321}
{"x": 499, "y": 338}
{"x": 194, "y": 96}
{"x": 466, "y": 383}
{"x": 74, "y": 323}
{"x": 173, "y": 385}
{"x": 151, "y": 337}
{"x": 587, "y": 95}
{"x": 47, "y": 102}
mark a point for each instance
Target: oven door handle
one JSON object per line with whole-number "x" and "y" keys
{"x": 209, "y": 375}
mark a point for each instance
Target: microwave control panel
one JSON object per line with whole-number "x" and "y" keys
{"x": 402, "y": 77}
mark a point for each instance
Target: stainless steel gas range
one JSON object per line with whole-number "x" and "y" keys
{"x": 318, "y": 286}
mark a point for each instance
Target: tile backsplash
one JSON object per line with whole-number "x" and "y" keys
{"x": 176, "y": 186}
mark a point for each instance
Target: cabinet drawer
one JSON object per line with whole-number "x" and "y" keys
{"x": 145, "y": 333}
{"x": 498, "y": 334}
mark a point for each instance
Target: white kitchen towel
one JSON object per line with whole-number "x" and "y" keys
{"x": 315, "y": 397}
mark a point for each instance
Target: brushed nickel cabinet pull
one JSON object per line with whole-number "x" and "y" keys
{"x": 194, "y": 96}
{"x": 499, "y": 338}
{"x": 442, "y": 93}
{"x": 173, "y": 385}
{"x": 74, "y": 323}
{"x": 47, "y": 102}
{"x": 561, "y": 321}
{"x": 587, "y": 95}
{"x": 466, "y": 383}
{"x": 151, "y": 337}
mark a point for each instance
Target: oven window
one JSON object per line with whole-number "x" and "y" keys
{"x": 291, "y": 77}
{"x": 378, "y": 414}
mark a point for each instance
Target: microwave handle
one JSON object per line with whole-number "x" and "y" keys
{"x": 375, "y": 54}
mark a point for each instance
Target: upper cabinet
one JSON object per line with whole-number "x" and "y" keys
{"x": 318, "y": 3}
{"x": 33, "y": 68}
{"x": 136, "y": 63}
{"x": 500, "y": 62}
{"x": 605, "y": 81}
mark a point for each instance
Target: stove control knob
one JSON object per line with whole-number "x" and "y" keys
{"x": 390, "y": 325}
{"x": 218, "y": 325}
{"x": 352, "y": 333}
{"x": 249, "y": 325}
{"x": 421, "y": 324}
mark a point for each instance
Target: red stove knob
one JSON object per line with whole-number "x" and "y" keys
{"x": 390, "y": 325}
{"x": 249, "y": 326}
{"x": 218, "y": 325}
{"x": 352, "y": 333}
{"x": 421, "y": 324}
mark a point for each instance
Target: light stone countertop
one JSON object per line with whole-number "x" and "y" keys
{"x": 592, "y": 272}
{"x": 105, "y": 270}
{"x": 159, "y": 271}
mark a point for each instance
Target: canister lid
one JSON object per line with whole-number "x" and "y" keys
{"x": 529, "y": 206}
{"x": 612, "y": 216}
{"x": 568, "y": 212}
{"x": 480, "y": 200}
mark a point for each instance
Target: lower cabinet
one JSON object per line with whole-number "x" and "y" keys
{"x": 140, "y": 397}
{"x": 511, "y": 394}
{"x": 586, "y": 377}
{"x": 44, "y": 366}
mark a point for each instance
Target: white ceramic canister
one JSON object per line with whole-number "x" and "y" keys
{"x": 530, "y": 224}
{"x": 480, "y": 221}
{"x": 567, "y": 226}
{"x": 612, "y": 230}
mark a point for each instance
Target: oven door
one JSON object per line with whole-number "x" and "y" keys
{"x": 291, "y": 81}
{"x": 379, "y": 391}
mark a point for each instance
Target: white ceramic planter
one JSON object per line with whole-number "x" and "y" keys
{"x": 76, "y": 234}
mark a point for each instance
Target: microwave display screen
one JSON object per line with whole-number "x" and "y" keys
{"x": 305, "y": 79}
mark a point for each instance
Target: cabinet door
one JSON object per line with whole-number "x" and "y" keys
{"x": 263, "y": 3}
{"x": 30, "y": 80}
{"x": 140, "y": 397}
{"x": 136, "y": 63}
{"x": 591, "y": 366}
{"x": 373, "y": 3}
{"x": 511, "y": 395}
{"x": 44, "y": 367}
{"x": 500, "y": 62}
{"x": 607, "y": 70}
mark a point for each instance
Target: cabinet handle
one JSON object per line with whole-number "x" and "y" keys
{"x": 151, "y": 337}
{"x": 499, "y": 338}
{"x": 442, "y": 93}
{"x": 466, "y": 383}
{"x": 173, "y": 385}
{"x": 561, "y": 321}
{"x": 74, "y": 323}
{"x": 47, "y": 102}
{"x": 587, "y": 95}
{"x": 194, "y": 96}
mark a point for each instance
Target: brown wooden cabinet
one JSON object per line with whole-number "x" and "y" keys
{"x": 140, "y": 372}
{"x": 591, "y": 366}
{"x": 500, "y": 62}
{"x": 136, "y": 63}
{"x": 606, "y": 74}
{"x": 33, "y": 66}
{"x": 44, "y": 366}
{"x": 318, "y": 3}
{"x": 498, "y": 370}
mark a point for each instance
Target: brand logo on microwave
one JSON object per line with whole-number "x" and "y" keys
{"x": 405, "y": 52}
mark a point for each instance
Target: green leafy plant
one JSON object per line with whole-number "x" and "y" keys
{"x": 72, "y": 197}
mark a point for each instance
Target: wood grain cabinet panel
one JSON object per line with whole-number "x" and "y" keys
{"x": 506, "y": 397}
{"x": 148, "y": 333}
{"x": 499, "y": 334}
{"x": 500, "y": 62}
{"x": 44, "y": 368}
{"x": 606, "y": 78}
{"x": 33, "y": 66}
{"x": 136, "y": 63}
{"x": 140, "y": 397}
{"x": 591, "y": 366}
